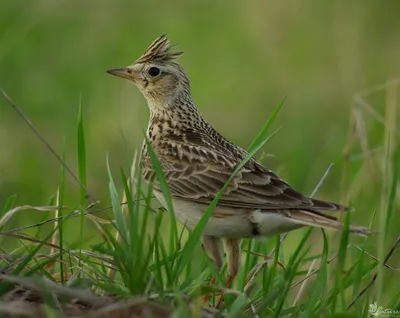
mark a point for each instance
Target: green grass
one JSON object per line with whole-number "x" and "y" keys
{"x": 140, "y": 256}
{"x": 325, "y": 57}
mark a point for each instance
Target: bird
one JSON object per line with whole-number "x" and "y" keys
{"x": 197, "y": 161}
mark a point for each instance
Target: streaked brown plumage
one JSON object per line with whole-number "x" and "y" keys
{"x": 198, "y": 161}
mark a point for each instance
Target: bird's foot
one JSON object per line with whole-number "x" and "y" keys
{"x": 205, "y": 297}
{"x": 221, "y": 297}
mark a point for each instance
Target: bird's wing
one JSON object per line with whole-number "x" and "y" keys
{"x": 197, "y": 173}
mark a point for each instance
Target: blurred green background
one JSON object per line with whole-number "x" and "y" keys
{"x": 243, "y": 58}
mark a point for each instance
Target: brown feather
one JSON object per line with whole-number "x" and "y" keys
{"x": 159, "y": 50}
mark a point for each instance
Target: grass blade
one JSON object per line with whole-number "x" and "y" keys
{"x": 61, "y": 191}
{"x": 116, "y": 205}
{"x": 264, "y": 131}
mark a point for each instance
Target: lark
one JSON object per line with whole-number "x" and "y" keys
{"x": 197, "y": 162}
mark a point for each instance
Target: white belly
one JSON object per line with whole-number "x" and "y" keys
{"x": 239, "y": 224}
{"x": 190, "y": 213}
{"x": 270, "y": 224}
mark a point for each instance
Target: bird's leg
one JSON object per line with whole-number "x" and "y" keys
{"x": 213, "y": 247}
{"x": 205, "y": 296}
{"x": 232, "y": 248}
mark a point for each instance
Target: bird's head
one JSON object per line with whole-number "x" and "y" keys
{"x": 157, "y": 74}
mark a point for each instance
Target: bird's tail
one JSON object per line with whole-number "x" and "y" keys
{"x": 318, "y": 219}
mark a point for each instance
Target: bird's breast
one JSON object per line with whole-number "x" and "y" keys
{"x": 223, "y": 222}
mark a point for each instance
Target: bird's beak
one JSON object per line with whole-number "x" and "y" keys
{"x": 121, "y": 72}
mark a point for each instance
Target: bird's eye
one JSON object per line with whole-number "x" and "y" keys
{"x": 154, "y": 71}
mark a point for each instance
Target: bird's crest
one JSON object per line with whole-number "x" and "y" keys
{"x": 159, "y": 50}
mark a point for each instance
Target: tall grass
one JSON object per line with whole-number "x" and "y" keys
{"x": 157, "y": 262}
